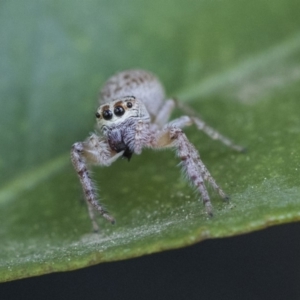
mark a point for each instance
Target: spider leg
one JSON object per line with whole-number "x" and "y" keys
{"x": 92, "y": 217}
{"x": 211, "y": 132}
{"x": 182, "y": 122}
{"x": 97, "y": 152}
{"x": 164, "y": 113}
{"x": 195, "y": 170}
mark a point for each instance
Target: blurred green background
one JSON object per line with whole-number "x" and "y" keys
{"x": 236, "y": 62}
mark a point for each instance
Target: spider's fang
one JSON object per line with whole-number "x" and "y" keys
{"x": 127, "y": 153}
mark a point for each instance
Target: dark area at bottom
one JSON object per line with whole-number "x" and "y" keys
{"x": 262, "y": 265}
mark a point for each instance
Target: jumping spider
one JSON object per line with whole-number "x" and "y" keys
{"x": 133, "y": 115}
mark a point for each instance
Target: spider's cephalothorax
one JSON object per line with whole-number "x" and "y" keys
{"x": 134, "y": 115}
{"x": 119, "y": 120}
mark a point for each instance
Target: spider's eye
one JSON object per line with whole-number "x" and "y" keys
{"x": 129, "y": 104}
{"x": 119, "y": 111}
{"x": 107, "y": 114}
{"x": 97, "y": 115}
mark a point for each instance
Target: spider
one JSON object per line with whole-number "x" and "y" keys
{"x": 133, "y": 115}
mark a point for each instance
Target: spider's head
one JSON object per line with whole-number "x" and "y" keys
{"x": 119, "y": 111}
{"x": 117, "y": 121}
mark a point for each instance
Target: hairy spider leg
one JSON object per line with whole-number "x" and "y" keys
{"x": 93, "y": 151}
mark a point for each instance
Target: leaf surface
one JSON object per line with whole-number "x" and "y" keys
{"x": 235, "y": 62}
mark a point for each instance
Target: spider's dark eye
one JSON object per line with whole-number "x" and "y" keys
{"x": 97, "y": 115}
{"x": 129, "y": 104}
{"x": 119, "y": 111}
{"x": 107, "y": 114}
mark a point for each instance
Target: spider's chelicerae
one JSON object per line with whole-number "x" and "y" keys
{"x": 133, "y": 115}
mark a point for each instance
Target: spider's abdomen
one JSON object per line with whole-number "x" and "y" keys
{"x": 138, "y": 83}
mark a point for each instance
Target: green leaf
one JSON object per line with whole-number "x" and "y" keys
{"x": 236, "y": 62}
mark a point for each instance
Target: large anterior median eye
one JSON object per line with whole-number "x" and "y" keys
{"x": 107, "y": 114}
{"x": 119, "y": 111}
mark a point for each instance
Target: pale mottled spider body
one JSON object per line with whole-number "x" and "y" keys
{"x": 133, "y": 115}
